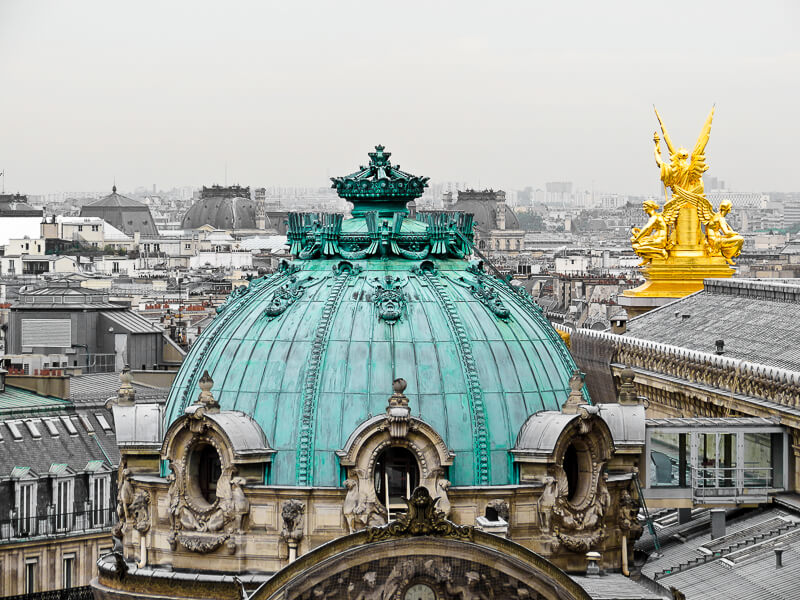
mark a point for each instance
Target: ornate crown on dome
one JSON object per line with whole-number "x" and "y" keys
{"x": 379, "y": 225}
{"x": 379, "y": 186}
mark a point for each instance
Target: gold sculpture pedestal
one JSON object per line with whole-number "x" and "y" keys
{"x": 672, "y": 278}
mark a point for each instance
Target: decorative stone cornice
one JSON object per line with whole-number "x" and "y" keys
{"x": 722, "y": 372}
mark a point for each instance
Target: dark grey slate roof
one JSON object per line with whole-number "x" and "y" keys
{"x": 124, "y": 213}
{"x": 759, "y": 321}
{"x": 80, "y": 437}
{"x": 98, "y": 387}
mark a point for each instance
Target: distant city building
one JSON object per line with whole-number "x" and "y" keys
{"x": 496, "y": 226}
{"x": 126, "y": 214}
{"x": 86, "y": 330}
{"x": 57, "y": 490}
{"x": 18, "y": 218}
{"x": 227, "y": 208}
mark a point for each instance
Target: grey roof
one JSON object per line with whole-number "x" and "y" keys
{"x": 626, "y": 423}
{"x": 124, "y": 213}
{"x": 130, "y": 321}
{"x": 541, "y": 431}
{"x": 615, "y": 586}
{"x": 245, "y": 434}
{"x": 221, "y": 213}
{"x": 759, "y": 321}
{"x": 485, "y": 213}
{"x": 99, "y": 387}
{"x": 138, "y": 425}
{"x": 740, "y": 565}
{"x": 81, "y": 438}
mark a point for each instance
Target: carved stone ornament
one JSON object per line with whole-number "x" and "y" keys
{"x": 126, "y": 395}
{"x": 197, "y": 524}
{"x": 575, "y": 398}
{"x": 389, "y": 298}
{"x": 202, "y": 544}
{"x": 422, "y": 518}
{"x": 361, "y": 507}
{"x": 398, "y": 411}
{"x": 292, "y": 513}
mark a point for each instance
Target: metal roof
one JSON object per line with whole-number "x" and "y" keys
{"x": 758, "y": 321}
{"x": 130, "y": 321}
{"x": 17, "y": 400}
{"x": 740, "y": 565}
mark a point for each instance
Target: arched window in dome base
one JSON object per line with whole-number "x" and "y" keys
{"x": 377, "y": 463}
{"x": 395, "y": 476}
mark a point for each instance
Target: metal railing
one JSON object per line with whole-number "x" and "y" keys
{"x": 74, "y": 593}
{"x": 56, "y": 524}
{"x": 717, "y": 483}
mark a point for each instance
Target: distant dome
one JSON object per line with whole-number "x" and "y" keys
{"x": 485, "y": 213}
{"x": 222, "y": 208}
{"x": 310, "y": 352}
{"x": 126, "y": 214}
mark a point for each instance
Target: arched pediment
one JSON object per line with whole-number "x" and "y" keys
{"x": 421, "y": 438}
{"x": 449, "y": 566}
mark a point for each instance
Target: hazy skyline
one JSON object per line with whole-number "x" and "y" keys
{"x": 505, "y": 94}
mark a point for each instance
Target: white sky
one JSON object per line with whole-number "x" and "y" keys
{"x": 507, "y": 94}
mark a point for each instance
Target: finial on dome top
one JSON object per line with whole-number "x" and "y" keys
{"x": 379, "y": 158}
{"x": 114, "y": 189}
{"x": 379, "y": 186}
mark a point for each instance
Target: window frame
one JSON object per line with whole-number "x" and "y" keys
{"x": 26, "y": 521}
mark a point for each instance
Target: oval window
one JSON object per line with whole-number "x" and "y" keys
{"x": 205, "y": 469}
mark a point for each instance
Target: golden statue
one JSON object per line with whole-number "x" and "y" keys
{"x": 651, "y": 241}
{"x": 722, "y": 239}
{"x": 687, "y": 241}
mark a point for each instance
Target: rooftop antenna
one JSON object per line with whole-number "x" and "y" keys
{"x": 226, "y": 173}
{"x": 3, "y": 175}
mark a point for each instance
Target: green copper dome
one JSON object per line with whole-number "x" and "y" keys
{"x": 311, "y": 351}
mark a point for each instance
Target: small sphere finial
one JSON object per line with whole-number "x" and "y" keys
{"x": 399, "y": 385}
{"x": 114, "y": 189}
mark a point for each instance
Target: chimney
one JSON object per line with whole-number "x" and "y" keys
{"x": 619, "y": 324}
{"x": 720, "y": 346}
{"x": 717, "y": 523}
{"x": 593, "y": 564}
{"x": 779, "y": 549}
